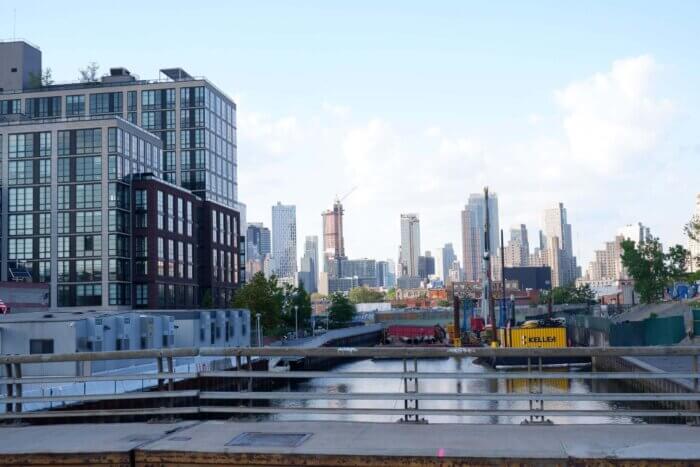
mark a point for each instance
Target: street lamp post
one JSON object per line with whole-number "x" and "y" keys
{"x": 257, "y": 317}
{"x": 296, "y": 321}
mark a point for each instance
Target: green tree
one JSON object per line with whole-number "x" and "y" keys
{"x": 207, "y": 300}
{"x": 43, "y": 78}
{"x": 365, "y": 295}
{"x": 89, "y": 73}
{"x": 391, "y": 294}
{"x": 264, "y": 296}
{"x": 341, "y": 311}
{"x": 569, "y": 295}
{"x": 299, "y": 298}
{"x": 651, "y": 268}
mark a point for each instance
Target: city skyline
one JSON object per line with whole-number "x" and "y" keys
{"x": 346, "y": 119}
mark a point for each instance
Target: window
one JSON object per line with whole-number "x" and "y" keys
{"x": 171, "y": 213}
{"x": 88, "y": 196}
{"x": 87, "y": 169}
{"x": 140, "y": 199}
{"x": 63, "y": 247}
{"x": 39, "y": 346}
{"x": 21, "y": 199}
{"x": 160, "y": 210}
{"x": 161, "y": 256}
{"x": 180, "y": 215}
{"x": 181, "y": 259}
{"x": 131, "y": 101}
{"x": 29, "y": 145}
{"x": 75, "y": 105}
{"x": 44, "y": 198}
{"x": 10, "y": 107}
{"x": 141, "y": 294}
{"x": 88, "y": 245}
{"x": 189, "y": 219}
{"x": 88, "y": 221}
{"x": 107, "y": 102}
{"x": 88, "y": 270}
{"x": 118, "y": 245}
{"x": 171, "y": 258}
{"x": 43, "y": 107}
{"x": 190, "y": 261}
{"x": 140, "y": 246}
{"x": 21, "y": 224}
{"x": 44, "y": 223}
{"x": 21, "y": 172}
{"x": 20, "y": 248}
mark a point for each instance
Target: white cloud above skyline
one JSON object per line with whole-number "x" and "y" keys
{"x": 605, "y": 132}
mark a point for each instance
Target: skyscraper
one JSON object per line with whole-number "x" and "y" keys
{"x": 517, "y": 251}
{"x": 473, "y": 219}
{"x": 426, "y": 266}
{"x": 333, "y": 241}
{"x": 558, "y": 251}
{"x": 308, "y": 272}
{"x": 258, "y": 241}
{"x": 410, "y": 245}
{"x": 284, "y": 242}
{"x": 447, "y": 258}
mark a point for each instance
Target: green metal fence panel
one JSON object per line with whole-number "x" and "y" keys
{"x": 664, "y": 331}
{"x": 598, "y": 324}
{"x": 627, "y": 334}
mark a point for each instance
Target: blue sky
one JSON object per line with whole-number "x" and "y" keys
{"x": 593, "y": 104}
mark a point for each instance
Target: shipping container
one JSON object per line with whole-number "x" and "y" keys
{"x": 548, "y": 337}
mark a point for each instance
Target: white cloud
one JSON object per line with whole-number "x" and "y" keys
{"x": 335, "y": 109}
{"x": 534, "y": 119}
{"x": 613, "y": 116}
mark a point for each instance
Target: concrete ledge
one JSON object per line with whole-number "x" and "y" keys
{"x": 352, "y": 443}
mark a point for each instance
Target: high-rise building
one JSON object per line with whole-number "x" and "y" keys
{"x": 105, "y": 181}
{"x": 638, "y": 233}
{"x": 333, "y": 241}
{"x": 258, "y": 240}
{"x": 284, "y": 242}
{"x": 364, "y": 269}
{"x": 517, "y": 251}
{"x": 426, "y": 266}
{"x": 558, "y": 246}
{"x": 410, "y": 245}
{"x": 308, "y": 271}
{"x": 447, "y": 257}
{"x": 473, "y": 220}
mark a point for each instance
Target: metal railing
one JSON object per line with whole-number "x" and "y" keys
{"x": 243, "y": 388}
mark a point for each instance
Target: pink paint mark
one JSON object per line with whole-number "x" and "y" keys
{"x": 441, "y": 452}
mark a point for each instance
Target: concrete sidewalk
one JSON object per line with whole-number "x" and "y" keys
{"x": 351, "y": 443}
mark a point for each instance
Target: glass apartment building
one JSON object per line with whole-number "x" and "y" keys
{"x": 68, "y": 153}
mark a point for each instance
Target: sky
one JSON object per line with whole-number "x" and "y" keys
{"x": 418, "y": 104}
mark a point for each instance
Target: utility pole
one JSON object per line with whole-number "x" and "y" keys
{"x": 503, "y": 278}
{"x": 487, "y": 267}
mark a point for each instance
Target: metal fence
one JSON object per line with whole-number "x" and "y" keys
{"x": 169, "y": 391}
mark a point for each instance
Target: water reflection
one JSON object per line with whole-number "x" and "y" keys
{"x": 476, "y": 386}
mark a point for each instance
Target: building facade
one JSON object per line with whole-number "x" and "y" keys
{"x": 473, "y": 221}
{"x": 410, "y": 245}
{"x": 284, "y": 242}
{"x": 558, "y": 247}
{"x": 71, "y": 155}
{"x": 308, "y": 272}
{"x": 333, "y": 240}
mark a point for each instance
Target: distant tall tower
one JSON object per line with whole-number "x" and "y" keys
{"x": 447, "y": 259}
{"x": 559, "y": 251}
{"x": 333, "y": 241}
{"x": 284, "y": 241}
{"x": 473, "y": 218}
{"x": 410, "y": 245}
{"x": 308, "y": 272}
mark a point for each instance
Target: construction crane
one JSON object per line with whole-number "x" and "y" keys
{"x": 338, "y": 200}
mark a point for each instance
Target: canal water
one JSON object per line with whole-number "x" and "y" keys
{"x": 477, "y": 386}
